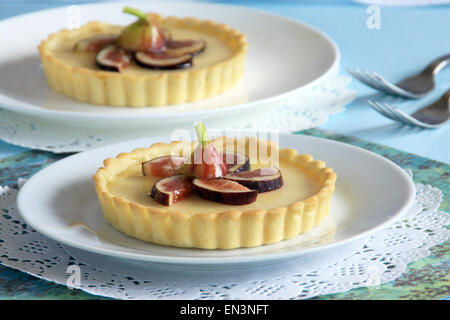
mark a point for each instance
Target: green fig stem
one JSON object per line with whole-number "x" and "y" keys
{"x": 138, "y": 13}
{"x": 201, "y": 133}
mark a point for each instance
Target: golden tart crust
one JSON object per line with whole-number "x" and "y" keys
{"x": 222, "y": 230}
{"x": 152, "y": 89}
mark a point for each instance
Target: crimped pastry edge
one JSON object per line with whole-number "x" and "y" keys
{"x": 127, "y": 90}
{"x": 225, "y": 230}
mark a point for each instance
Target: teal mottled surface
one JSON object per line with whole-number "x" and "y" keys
{"x": 426, "y": 171}
{"x": 424, "y": 279}
{"x": 427, "y": 278}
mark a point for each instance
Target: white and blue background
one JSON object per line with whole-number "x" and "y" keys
{"x": 411, "y": 33}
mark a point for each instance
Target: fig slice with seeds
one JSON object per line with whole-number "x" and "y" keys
{"x": 170, "y": 190}
{"x": 235, "y": 162}
{"x": 224, "y": 191}
{"x": 261, "y": 180}
{"x": 112, "y": 58}
{"x": 95, "y": 43}
{"x": 182, "y": 47}
{"x": 162, "y": 167}
{"x": 162, "y": 60}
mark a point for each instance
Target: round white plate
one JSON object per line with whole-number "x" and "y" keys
{"x": 371, "y": 192}
{"x": 284, "y": 57}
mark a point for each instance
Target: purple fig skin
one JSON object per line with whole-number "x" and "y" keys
{"x": 255, "y": 181}
{"x": 158, "y": 62}
{"x": 243, "y": 197}
{"x": 236, "y": 164}
{"x": 161, "y": 197}
{"x": 112, "y": 58}
{"x": 107, "y": 68}
{"x": 177, "y": 187}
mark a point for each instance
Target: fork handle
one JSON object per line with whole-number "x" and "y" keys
{"x": 437, "y": 65}
{"x": 446, "y": 95}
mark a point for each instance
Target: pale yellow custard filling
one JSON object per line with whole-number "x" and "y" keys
{"x": 133, "y": 186}
{"x": 215, "y": 70}
{"x": 300, "y": 204}
{"x": 216, "y": 50}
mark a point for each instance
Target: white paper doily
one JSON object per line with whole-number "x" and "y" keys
{"x": 377, "y": 259}
{"x": 309, "y": 109}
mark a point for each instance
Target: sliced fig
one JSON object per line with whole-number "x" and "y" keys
{"x": 162, "y": 60}
{"x": 112, "y": 58}
{"x": 261, "y": 180}
{"x": 224, "y": 191}
{"x": 182, "y": 47}
{"x": 170, "y": 190}
{"x": 95, "y": 43}
{"x": 236, "y": 162}
{"x": 165, "y": 166}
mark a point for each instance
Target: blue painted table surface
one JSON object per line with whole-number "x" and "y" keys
{"x": 409, "y": 38}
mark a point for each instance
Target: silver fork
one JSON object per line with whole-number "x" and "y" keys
{"x": 431, "y": 116}
{"x": 413, "y": 87}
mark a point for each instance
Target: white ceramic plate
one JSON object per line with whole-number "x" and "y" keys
{"x": 371, "y": 192}
{"x": 284, "y": 57}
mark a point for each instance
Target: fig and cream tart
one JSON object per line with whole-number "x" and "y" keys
{"x": 214, "y": 194}
{"x": 154, "y": 61}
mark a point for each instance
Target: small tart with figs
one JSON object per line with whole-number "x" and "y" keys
{"x": 214, "y": 194}
{"x": 154, "y": 61}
